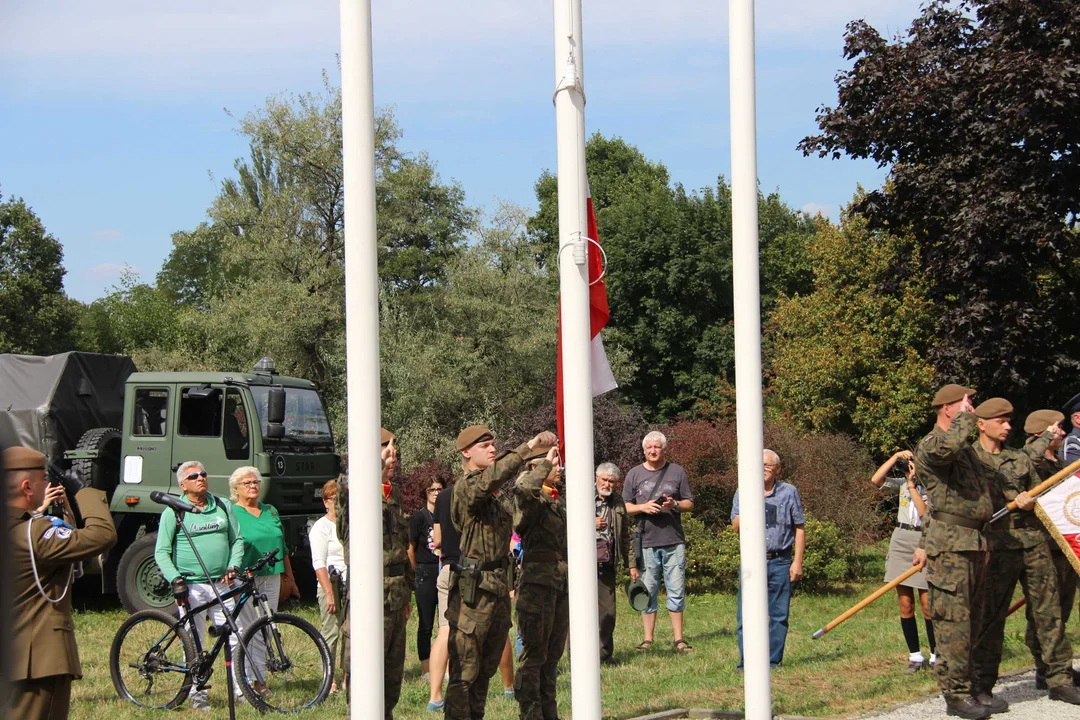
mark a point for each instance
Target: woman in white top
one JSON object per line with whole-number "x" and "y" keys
{"x": 327, "y": 556}
{"x": 898, "y": 472}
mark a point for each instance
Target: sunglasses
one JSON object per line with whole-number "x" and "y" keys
{"x": 434, "y": 490}
{"x": 196, "y": 476}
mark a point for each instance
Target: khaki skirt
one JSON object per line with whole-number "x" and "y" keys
{"x": 901, "y": 547}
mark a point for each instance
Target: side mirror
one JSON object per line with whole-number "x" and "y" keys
{"x": 275, "y": 406}
{"x": 275, "y": 431}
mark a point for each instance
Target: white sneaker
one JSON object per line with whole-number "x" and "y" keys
{"x": 426, "y": 677}
{"x": 200, "y": 700}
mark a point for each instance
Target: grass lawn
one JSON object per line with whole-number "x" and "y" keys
{"x": 855, "y": 668}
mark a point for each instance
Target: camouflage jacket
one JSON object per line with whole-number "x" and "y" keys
{"x": 397, "y": 572}
{"x": 1011, "y": 472}
{"x": 483, "y": 516}
{"x": 541, "y": 523}
{"x": 955, "y": 481}
{"x": 1036, "y": 448}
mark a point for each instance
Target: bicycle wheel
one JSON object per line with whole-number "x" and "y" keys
{"x": 293, "y": 660}
{"x": 150, "y": 660}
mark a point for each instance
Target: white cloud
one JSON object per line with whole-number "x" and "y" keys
{"x": 106, "y": 272}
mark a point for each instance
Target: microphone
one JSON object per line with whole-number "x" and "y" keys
{"x": 171, "y": 501}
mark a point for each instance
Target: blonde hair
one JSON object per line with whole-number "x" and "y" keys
{"x": 239, "y": 474}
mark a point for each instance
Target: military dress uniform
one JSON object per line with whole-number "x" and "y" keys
{"x": 478, "y": 629}
{"x": 543, "y": 612}
{"x": 955, "y": 546}
{"x": 44, "y": 655}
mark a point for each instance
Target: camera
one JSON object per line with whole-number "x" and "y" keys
{"x": 902, "y": 464}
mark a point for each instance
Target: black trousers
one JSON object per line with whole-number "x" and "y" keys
{"x": 427, "y": 600}
{"x": 605, "y": 592}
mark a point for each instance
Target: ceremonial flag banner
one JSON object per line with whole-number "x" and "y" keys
{"x": 1059, "y": 510}
{"x": 602, "y": 379}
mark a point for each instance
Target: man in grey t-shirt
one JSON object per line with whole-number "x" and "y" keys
{"x": 657, "y": 492}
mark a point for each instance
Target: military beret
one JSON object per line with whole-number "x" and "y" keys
{"x": 950, "y": 394}
{"x": 994, "y": 408}
{"x": 472, "y": 435}
{"x": 21, "y": 458}
{"x": 1038, "y": 421}
{"x": 537, "y": 453}
{"x": 387, "y": 436}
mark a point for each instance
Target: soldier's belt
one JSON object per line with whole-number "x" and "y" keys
{"x": 1019, "y": 521}
{"x": 958, "y": 520}
{"x": 540, "y": 557}
{"x": 395, "y": 570}
{"x": 498, "y": 564}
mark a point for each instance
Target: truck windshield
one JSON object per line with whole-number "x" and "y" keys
{"x": 305, "y": 416}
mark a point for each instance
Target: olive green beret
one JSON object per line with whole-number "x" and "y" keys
{"x": 472, "y": 435}
{"x": 21, "y": 458}
{"x": 1038, "y": 421}
{"x": 537, "y": 453}
{"x": 950, "y": 394}
{"x": 387, "y": 436}
{"x": 994, "y": 408}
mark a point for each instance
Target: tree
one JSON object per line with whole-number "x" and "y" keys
{"x": 851, "y": 356}
{"x": 974, "y": 112}
{"x": 36, "y": 317}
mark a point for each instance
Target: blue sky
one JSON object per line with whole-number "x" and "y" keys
{"x": 114, "y": 128}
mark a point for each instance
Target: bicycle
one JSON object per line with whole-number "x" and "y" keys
{"x": 156, "y": 658}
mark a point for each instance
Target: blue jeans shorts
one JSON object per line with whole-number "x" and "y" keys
{"x": 672, "y": 558}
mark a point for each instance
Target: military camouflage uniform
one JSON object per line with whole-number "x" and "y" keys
{"x": 1066, "y": 576}
{"x": 543, "y": 612}
{"x": 397, "y": 588}
{"x": 1019, "y": 551}
{"x": 956, "y": 554}
{"x": 483, "y": 516}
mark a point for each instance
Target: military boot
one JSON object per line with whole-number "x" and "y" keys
{"x": 967, "y": 707}
{"x": 1040, "y": 679}
{"x": 993, "y": 704}
{"x": 1066, "y": 693}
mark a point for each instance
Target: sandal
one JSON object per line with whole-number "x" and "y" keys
{"x": 644, "y": 646}
{"x": 682, "y": 647}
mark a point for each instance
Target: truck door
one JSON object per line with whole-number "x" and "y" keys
{"x": 201, "y": 433}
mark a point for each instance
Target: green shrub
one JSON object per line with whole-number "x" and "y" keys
{"x": 712, "y": 558}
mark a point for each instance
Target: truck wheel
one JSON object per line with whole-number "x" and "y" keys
{"x": 139, "y": 580}
{"x": 103, "y": 472}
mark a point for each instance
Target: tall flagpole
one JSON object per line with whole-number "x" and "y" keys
{"x": 577, "y": 378}
{"x": 362, "y": 359}
{"x": 744, "y": 210}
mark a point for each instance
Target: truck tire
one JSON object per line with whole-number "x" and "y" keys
{"x": 139, "y": 581}
{"x": 103, "y": 472}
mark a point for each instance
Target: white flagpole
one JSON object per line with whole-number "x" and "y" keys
{"x": 362, "y": 359}
{"x": 744, "y": 209}
{"x": 577, "y": 371}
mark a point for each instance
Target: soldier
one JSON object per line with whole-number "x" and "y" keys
{"x": 45, "y": 549}
{"x": 953, "y": 547}
{"x": 1044, "y": 440}
{"x": 397, "y": 574}
{"x": 543, "y": 611}
{"x": 478, "y": 608}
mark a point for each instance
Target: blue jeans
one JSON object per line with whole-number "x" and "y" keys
{"x": 779, "y": 580}
{"x": 673, "y": 560}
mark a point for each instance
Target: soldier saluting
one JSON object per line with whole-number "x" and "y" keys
{"x": 44, "y": 657}
{"x": 478, "y": 609}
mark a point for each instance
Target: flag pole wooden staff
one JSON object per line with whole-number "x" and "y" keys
{"x": 1016, "y": 606}
{"x": 867, "y": 600}
{"x": 1039, "y": 489}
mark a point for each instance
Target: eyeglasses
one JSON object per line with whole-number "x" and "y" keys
{"x": 434, "y": 490}
{"x": 196, "y": 475}
{"x": 251, "y": 483}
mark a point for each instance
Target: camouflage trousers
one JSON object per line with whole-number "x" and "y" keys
{"x": 1034, "y": 568}
{"x": 393, "y": 656}
{"x": 477, "y": 638}
{"x": 543, "y": 622}
{"x": 1066, "y": 579}
{"x": 956, "y": 606}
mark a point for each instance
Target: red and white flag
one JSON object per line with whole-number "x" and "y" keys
{"x": 602, "y": 379}
{"x": 1059, "y": 510}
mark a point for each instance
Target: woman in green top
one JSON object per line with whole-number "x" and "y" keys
{"x": 261, "y": 528}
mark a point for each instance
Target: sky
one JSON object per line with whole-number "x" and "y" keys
{"x": 118, "y": 118}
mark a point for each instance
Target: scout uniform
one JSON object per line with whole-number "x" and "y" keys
{"x": 543, "y": 612}
{"x": 397, "y": 583}
{"x": 478, "y": 609}
{"x": 955, "y": 545}
{"x": 1018, "y": 551}
{"x": 44, "y": 656}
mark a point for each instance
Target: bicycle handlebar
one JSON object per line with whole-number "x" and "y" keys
{"x": 262, "y": 562}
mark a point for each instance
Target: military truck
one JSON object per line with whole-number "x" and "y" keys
{"x": 126, "y": 432}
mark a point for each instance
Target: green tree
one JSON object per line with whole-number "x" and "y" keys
{"x": 851, "y": 356}
{"x": 974, "y": 113}
{"x": 139, "y": 316}
{"x": 36, "y": 317}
